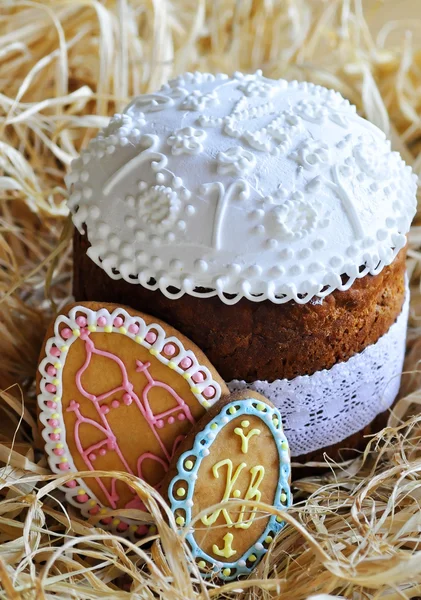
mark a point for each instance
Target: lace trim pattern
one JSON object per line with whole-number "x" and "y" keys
{"x": 322, "y": 409}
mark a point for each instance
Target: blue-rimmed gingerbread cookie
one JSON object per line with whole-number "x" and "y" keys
{"x": 238, "y": 451}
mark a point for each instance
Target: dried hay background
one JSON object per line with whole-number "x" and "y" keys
{"x": 65, "y": 66}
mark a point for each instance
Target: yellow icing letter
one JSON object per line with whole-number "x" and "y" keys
{"x": 231, "y": 478}
{"x": 253, "y": 493}
{"x": 227, "y": 550}
{"x": 245, "y": 438}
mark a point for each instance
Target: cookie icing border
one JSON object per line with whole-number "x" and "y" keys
{"x": 203, "y": 441}
{"x": 80, "y": 489}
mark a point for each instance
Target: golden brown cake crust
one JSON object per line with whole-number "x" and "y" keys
{"x": 262, "y": 340}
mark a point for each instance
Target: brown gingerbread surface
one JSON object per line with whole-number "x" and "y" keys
{"x": 227, "y": 448}
{"x": 243, "y": 463}
{"x": 122, "y": 408}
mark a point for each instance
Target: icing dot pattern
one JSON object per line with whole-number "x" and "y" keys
{"x": 205, "y": 152}
{"x": 166, "y": 349}
{"x": 187, "y": 475}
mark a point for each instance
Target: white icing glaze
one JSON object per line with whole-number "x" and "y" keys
{"x": 256, "y": 188}
{"x": 235, "y": 161}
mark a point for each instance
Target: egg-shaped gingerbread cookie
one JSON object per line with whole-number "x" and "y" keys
{"x": 118, "y": 391}
{"x": 237, "y": 452}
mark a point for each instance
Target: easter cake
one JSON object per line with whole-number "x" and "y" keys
{"x": 266, "y": 221}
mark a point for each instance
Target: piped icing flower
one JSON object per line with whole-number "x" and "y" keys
{"x": 197, "y": 100}
{"x": 235, "y": 161}
{"x": 187, "y": 140}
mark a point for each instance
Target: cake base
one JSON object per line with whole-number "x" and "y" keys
{"x": 253, "y": 341}
{"x": 344, "y": 450}
{"x": 261, "y": 340}
{"x": 326, "y": 408}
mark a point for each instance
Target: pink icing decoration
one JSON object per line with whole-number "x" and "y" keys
{"x": 109, "y": 441}
{"x": 127, "y": 399}
{"x": 66, "y": 333}
{"x": 53, "y": 422}
{"x": 54, "y": 436}
{"x": 51, "y": 388}
{"x": 82, "y": 498}
{"x": 142, "y": 530}
{"x": 51, "y": 370}
{"x": 115, "y": 403}
{"x": 103, "y": 452}
{"x": 123, "y": 526}
{"x": 198, "y": 377}
{"x": 102, "y": 321}
{"x": 118, "y": 322}
{"x": 51, "y": 404}
{"x": 171, "y": 420}
{"x": 54, "y": 351}
{"x": 107, "y": 520}
{"x": 169, "y": 349}
{"x": 209, "y": 392}
{"x": 81, "y": 321}
{"x": 186, "y": 363}
{"x": 150, "y": 337}
{"x": 178, "y": 441}
{"x": 94, "y": 510}
{"x": 71, "y": 484}
{"x": 137, "y": 502}
{"x": 58, "y": 451}
{"x": 92, "y": 456}
{"x": 133, "y": 328}
{"x": 64, "y": 466}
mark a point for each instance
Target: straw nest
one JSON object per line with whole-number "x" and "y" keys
{"x": 65, "y": 66}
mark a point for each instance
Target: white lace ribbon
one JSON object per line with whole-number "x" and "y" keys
{"x": 324, "y": 408}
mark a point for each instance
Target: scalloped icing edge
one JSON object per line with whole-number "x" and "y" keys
{"x": 280, "y": 295}
{"x": 203, "y": 441}
{"x": 44, "y": 396}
